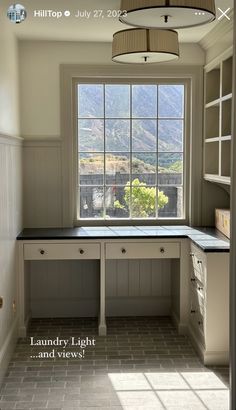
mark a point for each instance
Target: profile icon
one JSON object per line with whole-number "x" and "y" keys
{"x": 16, "y": 13}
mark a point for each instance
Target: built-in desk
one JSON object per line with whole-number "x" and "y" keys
{"x": 199, "y": 283}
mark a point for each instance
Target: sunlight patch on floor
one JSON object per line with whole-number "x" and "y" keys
{"x": 170, "y": 391}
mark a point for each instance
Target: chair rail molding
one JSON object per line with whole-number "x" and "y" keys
{"x": 42, "y": 141}
{"x": 8, "y": 139}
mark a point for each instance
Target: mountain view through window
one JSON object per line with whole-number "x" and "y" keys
{"x": 130, "y": 151}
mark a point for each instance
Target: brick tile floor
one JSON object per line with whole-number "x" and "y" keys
{"x": 142, "y": 364}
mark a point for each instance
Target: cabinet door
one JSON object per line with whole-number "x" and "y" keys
{"x": 199, "y": 264}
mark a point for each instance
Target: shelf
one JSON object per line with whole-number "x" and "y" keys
{"x": 209, "y": 140}
{"x": 217, "y": 179}
{"x": 217, "y": 102}
{"x": 226, "y": 138}
{"x": 227, "y": 97}
{"x": 214, "y": 103}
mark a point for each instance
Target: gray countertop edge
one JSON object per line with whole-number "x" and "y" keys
{"x": 44, "y": 234}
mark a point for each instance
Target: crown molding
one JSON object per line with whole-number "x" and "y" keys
{"x": 221, "y": 29}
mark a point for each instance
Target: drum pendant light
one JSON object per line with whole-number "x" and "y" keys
{"x": 145, "y": 46}
{"x": 167, "y": 13}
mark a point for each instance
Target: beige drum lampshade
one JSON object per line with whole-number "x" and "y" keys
{"x": 167, "y": 13}
{"x": 145, "y": 46}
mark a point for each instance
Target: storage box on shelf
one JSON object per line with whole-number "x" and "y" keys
{"x": 217, "y": 121}
{"x": 222, "y": 221}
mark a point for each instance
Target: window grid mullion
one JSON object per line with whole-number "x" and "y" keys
{"x": 134, "y": 118}
{"x": 131, "y": 151}
{"x": 183, "y": 158}
{"x": 104, "y": 154}
{"x": 78, "y": 204}
{"x": 157, "y": 158}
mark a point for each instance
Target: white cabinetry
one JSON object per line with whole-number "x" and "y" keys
{"x": 218, "y": 112}
{"x": 199, "y": 301}
{"x": 209, "y": 305}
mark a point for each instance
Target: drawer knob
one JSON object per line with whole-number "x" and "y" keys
{"x": 123, "y": 250}
{"x": 199, "y": 262}
{"x": 200, "y": 288}
{"x": 193, "y": 280}
{"x": 42, "y": 251}
{"x": 162, "y": 250}
{"x": 200, "y": 323}
{"x": 191, "y": 254}
{"x": 193, "y": 311}
{"x": 81, "y": 251}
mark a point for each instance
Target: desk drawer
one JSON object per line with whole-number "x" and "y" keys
{"x": 143, "y": 250}
{"x": 197, "y": 301}
{"x": 37, "y": 251}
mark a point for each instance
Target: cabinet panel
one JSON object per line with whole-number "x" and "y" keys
{"x": 225, "y": 158}
{"x": 212, "y": 153}
{"x": 213, "y": 85}
{"x": 209, "y": 305}
{"x": 212, "y": 122}
{"x": 227, "y": 76}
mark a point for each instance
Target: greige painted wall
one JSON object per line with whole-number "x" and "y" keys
{"x": 40, "y": 82}
{"x": 9, "y": 84}
{"x": 10, "y": 190}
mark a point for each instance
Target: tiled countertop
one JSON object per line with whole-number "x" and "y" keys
{"x": 207, "y": 239}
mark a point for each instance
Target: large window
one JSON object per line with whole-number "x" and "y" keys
{"x": 131, "y": 151}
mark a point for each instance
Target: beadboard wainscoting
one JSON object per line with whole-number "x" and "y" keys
{"x": 138, "y": 287}
{"x": 42, "y": 182}
{"x": 64, "y": 288}
{"x": 10, "y": 226}
{"x": 71, "y": 288}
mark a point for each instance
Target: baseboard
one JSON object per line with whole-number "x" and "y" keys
{"x": 181, "y": 327}
{"x": 138, "y": 306}
{"x": 22, "y": 332}
{"x": 8, "y": 348}
{"x": 208, "y": 357}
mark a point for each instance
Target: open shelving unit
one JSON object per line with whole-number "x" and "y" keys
{"x": 217, "y": 119}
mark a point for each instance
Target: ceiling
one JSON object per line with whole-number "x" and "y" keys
{"x": 85, "y": 29}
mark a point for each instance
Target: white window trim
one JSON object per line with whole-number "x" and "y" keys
{"x": 189, "y": 75}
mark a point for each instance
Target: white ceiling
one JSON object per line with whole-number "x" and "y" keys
{"x": 83, "y": 29}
